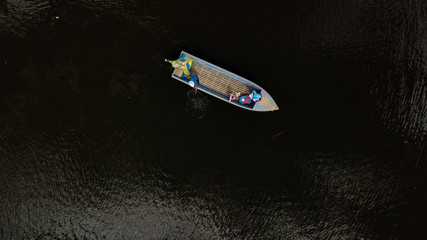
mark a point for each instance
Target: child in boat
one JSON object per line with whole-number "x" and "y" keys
{"x": 233, "y": 96}
{"x": 245, "y": 99}
{"x": 255, "y": 96}
{"x": 248, "y": 99}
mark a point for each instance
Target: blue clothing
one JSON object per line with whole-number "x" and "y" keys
{"x": 182, "y": 58}
{"x": 195, "y": 80}
{"x": 256, "y": 97}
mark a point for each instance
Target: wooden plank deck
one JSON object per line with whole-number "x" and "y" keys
{"x": 218, "y": 82}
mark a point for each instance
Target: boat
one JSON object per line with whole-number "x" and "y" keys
{"x": 220, "y": 83}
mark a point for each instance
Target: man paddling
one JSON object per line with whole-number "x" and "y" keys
{"x": 194, "y": 83}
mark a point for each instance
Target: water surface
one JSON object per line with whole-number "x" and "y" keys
{"x": 98, "y": 142}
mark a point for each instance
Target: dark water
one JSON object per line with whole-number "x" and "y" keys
{"x": 98, "y": 142}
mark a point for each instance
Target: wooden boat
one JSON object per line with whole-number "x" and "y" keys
{"x": 220, "y": 83}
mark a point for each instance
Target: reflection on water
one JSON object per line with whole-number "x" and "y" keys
{"x": 96, "y": 142}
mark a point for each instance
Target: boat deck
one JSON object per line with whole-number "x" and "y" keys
{"x": 216, "y": 81}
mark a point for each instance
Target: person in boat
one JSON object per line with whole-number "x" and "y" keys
{"x": 184, "y": 65}
{"x": 250, "y": 98}
{"x": 233, "y": 96}
{"x": 256, "y": 97}
{"x": 194, "y": 83}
